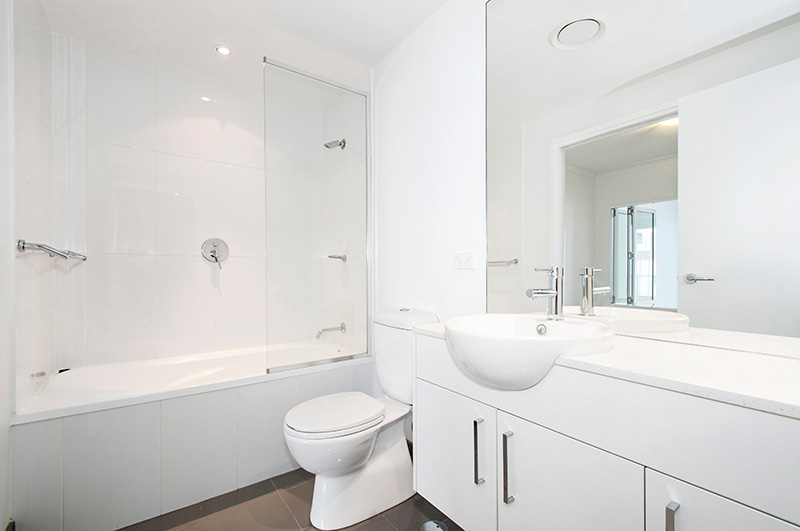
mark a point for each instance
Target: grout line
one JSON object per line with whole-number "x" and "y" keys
{"x": 390, "y": 523}
{"x": 296, "y": 521}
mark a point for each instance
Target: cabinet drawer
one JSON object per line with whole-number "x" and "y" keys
{"x": 695, "y": 509}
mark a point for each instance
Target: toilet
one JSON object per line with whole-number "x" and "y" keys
{"x": 356, "y": 444}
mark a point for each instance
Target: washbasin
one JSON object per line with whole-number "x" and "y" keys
{"x": 631, "y": 320}
{"x": 515, "y": 351}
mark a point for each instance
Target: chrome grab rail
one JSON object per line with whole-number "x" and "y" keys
{"x": 342, "y": 328}
{"x": 23, "y": 246}
{"x": 502, "y": 263}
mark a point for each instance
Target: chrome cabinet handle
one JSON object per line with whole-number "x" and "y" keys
{"x": 672, "y": 508}
{"x": 508, "y": 500}
{"x": 476, "y": 477}
{"x": 691, "y": 278}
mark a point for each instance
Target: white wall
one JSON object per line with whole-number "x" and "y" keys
{"x": 579, "y": 229}
{"x": 6, "y": 259}
{"x": 429, "y": 127}
{"x": 36, "y": 296}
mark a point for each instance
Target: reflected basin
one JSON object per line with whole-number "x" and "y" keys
{"x": 631, "y": 320}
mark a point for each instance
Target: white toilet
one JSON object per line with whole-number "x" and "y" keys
{"x": 356, "y": 444}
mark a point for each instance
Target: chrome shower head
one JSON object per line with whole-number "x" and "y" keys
{"x": 336, "y": 143}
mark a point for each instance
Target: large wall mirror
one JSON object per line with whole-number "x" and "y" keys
{"x": 653, "y": 142}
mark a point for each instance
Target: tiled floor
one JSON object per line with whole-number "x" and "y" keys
{"x": 283, "y": 503}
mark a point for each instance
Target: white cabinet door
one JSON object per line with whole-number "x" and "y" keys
{"x": 455, "y": 456}
{"x": 558, "y": 483}
{"x": 695, "y": 509}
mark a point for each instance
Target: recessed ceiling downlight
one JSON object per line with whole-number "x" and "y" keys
{"x": 222, "y": 49}
{"x": 577, "y": 34}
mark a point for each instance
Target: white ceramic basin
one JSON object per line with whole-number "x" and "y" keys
{"x": 631, "y": 320}
{"x": 506, "y": 351}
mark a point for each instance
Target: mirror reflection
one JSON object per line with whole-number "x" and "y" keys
{"x": 554, "y": 112}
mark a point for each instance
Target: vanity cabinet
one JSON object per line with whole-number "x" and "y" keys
{"x": 488, "y": 470}
{"x": 560, "y": 483}
{"x": 455, "y": 456}
{"x": 673, "y": 505}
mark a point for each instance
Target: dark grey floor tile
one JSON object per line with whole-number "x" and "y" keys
{"x": 256, "y": 490}
{"x": 451, "y": 525}
{"x": 180, "y": 517}
{"x": 154, "y": 524}
{"x": 298, "y": 499}
{"x": 292, "y": 479}
{"x": 376, "y": 523}
{"x": 219, "y": 503}
{"x": 267, "y": 513}
{"x": 412, "y": 513}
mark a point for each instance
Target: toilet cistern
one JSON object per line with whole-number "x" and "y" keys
{"x": 555, "y": 293}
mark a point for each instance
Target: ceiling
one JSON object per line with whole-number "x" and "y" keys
{"x": 528, "y": 76}
{"x": 644, "y": 144}
{"x": 338, "y": 40}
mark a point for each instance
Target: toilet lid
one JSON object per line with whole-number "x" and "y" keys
{"x": 336, "y": 412}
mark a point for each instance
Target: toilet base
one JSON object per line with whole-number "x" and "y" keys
{"x": 385, "y": 481}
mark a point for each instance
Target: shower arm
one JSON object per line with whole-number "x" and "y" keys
{"x": 23, "y": 246}
{"x": 342, "y": 327}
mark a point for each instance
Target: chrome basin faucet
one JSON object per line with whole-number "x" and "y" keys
{"x": 555, "y": 293}
{"x": 588, "y": 291}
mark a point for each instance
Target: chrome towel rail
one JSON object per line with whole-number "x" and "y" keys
{"x": 502, "y": 263}
{"x": 66, "y": 254}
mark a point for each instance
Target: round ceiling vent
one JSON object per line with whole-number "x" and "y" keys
{"x": 577, "y": 34}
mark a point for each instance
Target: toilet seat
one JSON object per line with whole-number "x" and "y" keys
{"x": 334, "y": 415}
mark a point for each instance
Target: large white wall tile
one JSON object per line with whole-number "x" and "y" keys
{"x": 198, "y": 448}
{"x": 33, "y": 187}
{"x": 239, "y": 137}
{"x": 291, "y": 130}
{"x": 344, "y": 118}
{"x": 352, "y": 378}
{"x": 240, "y": 311}
{"x": 185, "y": 204}
{"x": 121, "y": 306}
{"x": 122, "y": 200}
{"x": 290, "y": 215}
{"x": 344, "y": 212}
{"x": 122, "y": 99}
{"x": 184, "y": 306}
{"x": 262, "y": 448}
{"x": 239, "y": 209}
{"x": 71, "y": 281}
{"x": 70, "y": 84}
{"x": 345, "y": 300}
{"x": 112, "y": 467}
{"x": 294, "y": 299}
{"x": 35, "y": 316}
{"x": 70, "y": 183}
{"x": 33, "y": 72}
{"x": 185, "y": 121}
{"x": 36, "y": 474}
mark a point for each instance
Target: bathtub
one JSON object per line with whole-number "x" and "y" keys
{"x": 97, "y": 387}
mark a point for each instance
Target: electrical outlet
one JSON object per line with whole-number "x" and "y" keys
{"x": 464, "y": 261}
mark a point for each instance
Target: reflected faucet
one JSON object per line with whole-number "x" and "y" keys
{"x": 555, "y": 293}
{"x": 588, "y": 291}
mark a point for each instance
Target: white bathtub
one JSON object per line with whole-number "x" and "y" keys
{"x": 84, "y": 389}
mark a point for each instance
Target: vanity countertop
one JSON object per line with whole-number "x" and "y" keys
{"x": 674, "y": 361}
{"x": 748, "y": 379}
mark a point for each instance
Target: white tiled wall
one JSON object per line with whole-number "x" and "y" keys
{"x": 120, "y": 466}
{"x": 147, "y": 162}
